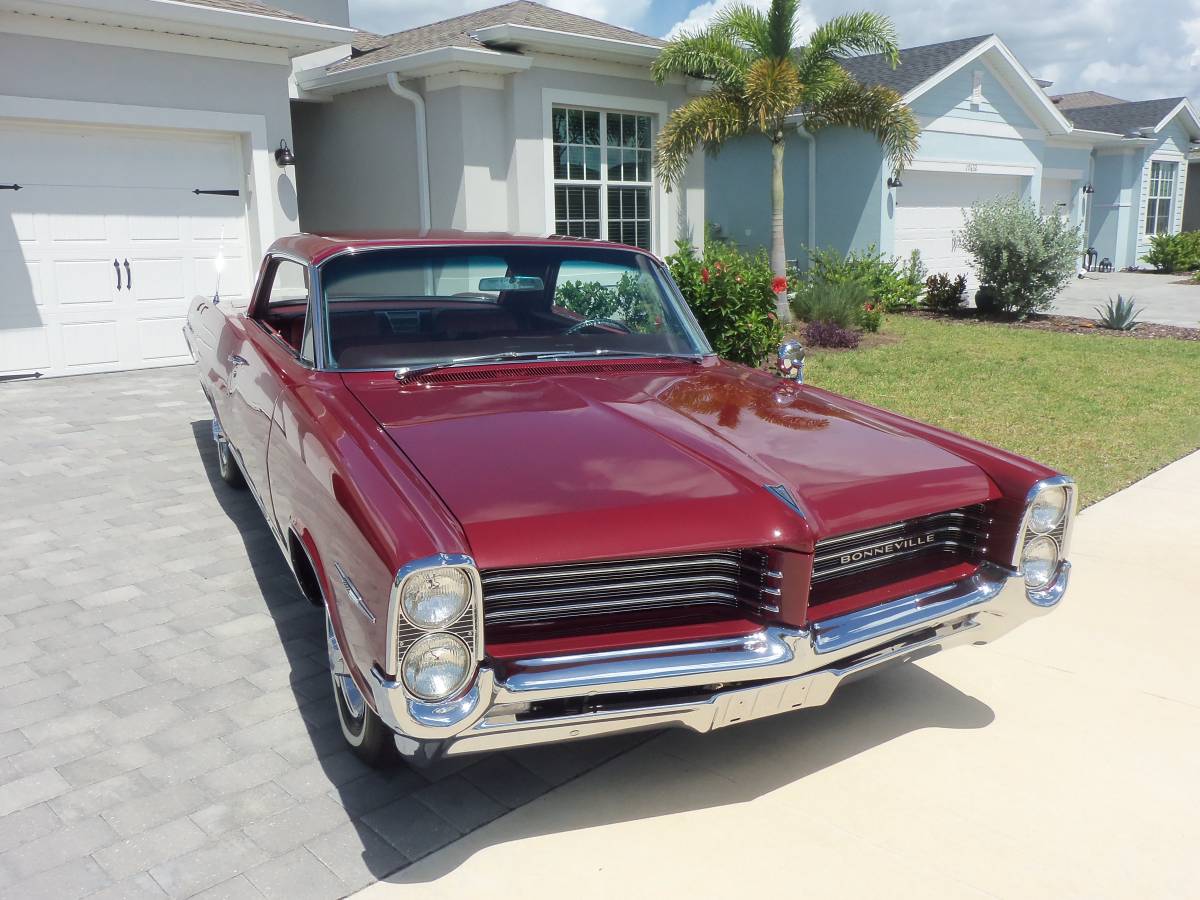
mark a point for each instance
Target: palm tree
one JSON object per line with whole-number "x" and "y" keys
{"x": 761, "y": 78}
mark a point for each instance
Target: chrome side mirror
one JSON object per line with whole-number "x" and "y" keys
{"x": 790, "y": 359}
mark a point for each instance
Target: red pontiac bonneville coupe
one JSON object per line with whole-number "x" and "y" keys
{"x": 535, "y": 506}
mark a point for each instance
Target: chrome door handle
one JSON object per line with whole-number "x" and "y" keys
{"x": 235, "y": 360}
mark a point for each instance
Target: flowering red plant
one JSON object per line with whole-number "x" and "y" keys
{"x": 704, "y": 276}
{"x": 778, "y": 284}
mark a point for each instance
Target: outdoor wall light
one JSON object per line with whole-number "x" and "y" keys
{"x": 284, "y": 155}
{"x": 1088, "y": 189}
{"x": 895, "y": 182}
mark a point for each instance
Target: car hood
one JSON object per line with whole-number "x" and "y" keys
{"x": 639, "y": 461}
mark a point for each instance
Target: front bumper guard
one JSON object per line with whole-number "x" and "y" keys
{"x": 716, "y": 682}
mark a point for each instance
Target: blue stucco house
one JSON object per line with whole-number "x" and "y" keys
{"x": 989, "y": 129}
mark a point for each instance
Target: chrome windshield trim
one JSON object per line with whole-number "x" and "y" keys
{"x": 517, "y": 357}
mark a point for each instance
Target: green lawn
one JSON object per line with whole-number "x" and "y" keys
{"x": 1106, "y": 410}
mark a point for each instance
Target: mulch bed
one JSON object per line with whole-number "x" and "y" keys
{"x": 1069, "y": 324}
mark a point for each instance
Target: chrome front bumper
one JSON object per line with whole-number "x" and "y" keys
{"x": 707, "y": 684}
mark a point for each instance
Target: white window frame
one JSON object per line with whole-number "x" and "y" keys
{"x": 660, "y": 209}
{"x": 1157, "y": 199}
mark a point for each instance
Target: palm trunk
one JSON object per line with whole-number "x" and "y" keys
{"x": 778, "y": 247}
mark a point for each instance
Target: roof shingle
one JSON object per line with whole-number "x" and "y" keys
{"x": 457, "y": 32}
{"x": 253, "y": 7}
{"x": 1084, "y": 100}
{"x": 1122, "y": 118}
{"x": 916, "y": 64}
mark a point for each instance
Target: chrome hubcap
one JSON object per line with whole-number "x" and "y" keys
{"x": 356, "y": 705}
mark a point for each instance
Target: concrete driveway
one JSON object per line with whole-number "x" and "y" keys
{"x": 1166, "y": 299}
{"x": 166, "y": 722}
{"x": 1058, "y": 762}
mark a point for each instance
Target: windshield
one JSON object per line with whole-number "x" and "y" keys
{"x": 420, "y": 306}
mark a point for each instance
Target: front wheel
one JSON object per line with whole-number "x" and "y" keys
{"x": 227, "y": 466}
{"x": 370, "y": 739}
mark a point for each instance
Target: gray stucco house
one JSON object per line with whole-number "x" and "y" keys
{"x": 989, "y": 129}
{"x": 517, "y": 118}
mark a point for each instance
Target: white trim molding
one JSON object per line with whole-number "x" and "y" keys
{"x": 569, "y": 43}
{"x": 970, "y": 167}
{"x": 551, "y": 97}
{"x": 1063, "y": 174}
{"x": 251, "y": 128}
{"x": 176, "y": 17}
{"x": 428, "y": 62}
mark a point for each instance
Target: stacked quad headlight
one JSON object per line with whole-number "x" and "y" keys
{"x": 435, "y": 606}
{"x": 1042, "y": 544}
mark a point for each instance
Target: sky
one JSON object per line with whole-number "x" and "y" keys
{"x": 1132, "y": 50}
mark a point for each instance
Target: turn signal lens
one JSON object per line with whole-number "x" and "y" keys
{"x": 434, "y": 598}
{"x": 1039, "y": 562}
{"x": 1048, "y": 509}
{"x": 436, "y": 667}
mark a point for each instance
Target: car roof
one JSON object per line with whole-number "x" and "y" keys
{"x": 316, "y": 248}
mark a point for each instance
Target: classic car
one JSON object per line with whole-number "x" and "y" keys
{"x": 535, "y": 506}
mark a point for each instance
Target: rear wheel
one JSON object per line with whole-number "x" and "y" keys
{"x": 231, "y": 473}
{"x": 370, "y": 739}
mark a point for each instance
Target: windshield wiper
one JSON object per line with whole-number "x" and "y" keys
{"x": 405, "y": 372}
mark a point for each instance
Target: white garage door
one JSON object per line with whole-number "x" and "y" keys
{"x": 106, "y": 242}
{"x": 930, "y": 208}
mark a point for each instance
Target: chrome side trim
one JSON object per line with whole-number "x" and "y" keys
{"x": 352, "y": 592}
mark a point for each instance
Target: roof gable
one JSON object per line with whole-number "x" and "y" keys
{"x": 922, "y": 68}
{"x": 1084, "y": 100}
{"x": 1127, "y": 118}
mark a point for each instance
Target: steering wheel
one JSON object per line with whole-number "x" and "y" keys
{"x": 587, "y": 323}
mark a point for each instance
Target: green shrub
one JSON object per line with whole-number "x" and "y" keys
{"x": 1119, "y": 316}
{"x": 730, "y": 294}
{"x": 890, "y": 282}
{"x": 943, "y": 294}
{"x": 837, "y": 303}
{"x": 1022, "y": 259}
{"x": 630, "y": 300}
{"x": 1174, "y": 252}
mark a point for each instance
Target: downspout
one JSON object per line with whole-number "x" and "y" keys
{"x": 811, "y": 233}
{"x": 418, "y": 103}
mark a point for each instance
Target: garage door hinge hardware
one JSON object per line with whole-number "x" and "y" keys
{"x": 20, "y": 376}
{"x": 10, "y": 187}
{"x": 224, "y": 192}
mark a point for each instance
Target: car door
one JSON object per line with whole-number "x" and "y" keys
{"x": 259, "y": 357}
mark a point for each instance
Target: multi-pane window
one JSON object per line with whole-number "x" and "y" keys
{"x": 602, "y": 175}
{"x": 1160, "y": 198}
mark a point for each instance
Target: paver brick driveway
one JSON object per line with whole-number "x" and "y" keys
{"x": 166, "y": 724}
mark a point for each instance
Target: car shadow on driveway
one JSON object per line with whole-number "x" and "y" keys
{"x": 406, "y": 814}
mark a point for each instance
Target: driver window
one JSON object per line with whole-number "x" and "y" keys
{"x": 597, "y": 290}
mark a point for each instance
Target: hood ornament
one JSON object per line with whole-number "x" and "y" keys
{"x": 782, "y": 493}
{"x": 790, "y": 359}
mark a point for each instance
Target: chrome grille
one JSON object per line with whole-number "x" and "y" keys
{"x": 738, "y": 579}
{"x": 962, "y": 532}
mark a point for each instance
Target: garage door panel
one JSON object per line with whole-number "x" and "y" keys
{"x": 159, "y": 279}
{"x": 92, "y": 196}
{"x": 90, "y": 343}
{"x": 162, "y": 339}
{"x": 84, "y": 280}
{"x": 24, "y": 349}
{"x": 234, "y": 281}
{"x": 154, "y": 228}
